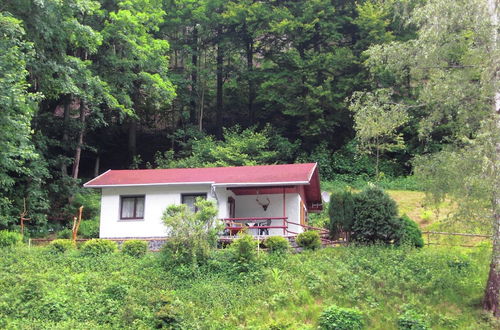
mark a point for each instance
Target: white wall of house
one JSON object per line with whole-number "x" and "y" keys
{"x": 157, "y": 198}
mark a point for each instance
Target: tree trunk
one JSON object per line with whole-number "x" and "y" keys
{"x": 492, "y": 291}
{"x": 132, "y": 138}
{"x": 194, "y": 77}
{"x": 97, "y": 165}
{"x": 219, "y": 105}
{"x": 65, "y": 138}
{"x": 78, "y": 151}
{"x": 251, "y": 86}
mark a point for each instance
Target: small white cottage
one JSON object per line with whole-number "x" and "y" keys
{"x": 263, "y": 200}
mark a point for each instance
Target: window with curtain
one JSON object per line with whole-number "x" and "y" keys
{"x": 132, "y": 207}
{"x": 190, "y": 199}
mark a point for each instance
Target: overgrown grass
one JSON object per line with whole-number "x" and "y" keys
{"x": 398, "y": 183}
{"x": 117, "y": 291}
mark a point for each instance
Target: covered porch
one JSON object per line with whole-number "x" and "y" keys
{"x": 264, "y": 211}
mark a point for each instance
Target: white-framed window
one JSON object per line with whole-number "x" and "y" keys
{"x": 190, "y": 199}
{"x": 132, "y": 207}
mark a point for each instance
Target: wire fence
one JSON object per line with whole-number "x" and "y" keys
{"x": 454, "y": 239}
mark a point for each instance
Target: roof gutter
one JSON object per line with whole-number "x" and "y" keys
{"x": 87, "y": 185}
{"x": 261, "y": 184}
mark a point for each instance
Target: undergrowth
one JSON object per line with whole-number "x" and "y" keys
{"x": 279, "y": 291}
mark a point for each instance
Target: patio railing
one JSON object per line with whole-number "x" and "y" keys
{"x": 260, "y": 225}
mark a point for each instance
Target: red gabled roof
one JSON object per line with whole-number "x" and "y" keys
{"x": 237, "y": 175}
{"x": 305, "y": 175}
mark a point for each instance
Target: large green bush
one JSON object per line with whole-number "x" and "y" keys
{"x": 135, "y": 248}
{"x": 277, "y": 244}
{"x": 341, "y": 211}
{"x": 10, "y": 238}
{"x": 309, "y": 240}
{"x": 409, "y": 233}
{"x": 338, "y": 318}
{"x": 61, "y": 245}
{"x": 96, "y": 247}
{"x": 375, "y": 217}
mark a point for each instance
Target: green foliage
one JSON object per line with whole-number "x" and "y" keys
{"x": 239, "y": 147}
{"x": 309, "y": 240}
{"x": 89, "y": 228}
{"x": 61, "y": 245}
{"x": 135, "y": 248}
{"x": 375, "y": 217}
{"x": 117, "y": 291}
{"x": 341, "y": 211}
{"x": 277, "y": 244}
{"x": 192, "y": 236}
{"x": 244, "y": 252}
{"x": 10, "y": 239}
{"x": 17, "y": 106}
{"x": 411, "y": 320}
{"x": 410, "y": 233}
{"x": 65, "y": 233}
{"x": 98, "y": 247}
{"x": 91, "y": 202}
{"x": 339, "y": 318}
{"x": 376, "y": 119}
{"x": 166, "y": 315}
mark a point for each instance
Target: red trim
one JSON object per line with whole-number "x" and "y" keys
{"x": 253, "y": 219}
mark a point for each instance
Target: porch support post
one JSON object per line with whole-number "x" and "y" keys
{"x": 284, "y": 212}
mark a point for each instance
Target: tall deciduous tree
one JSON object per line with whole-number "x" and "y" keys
{"x": 452, "y": 67}
{"x": 491, "y": 299}
{"x": 376, "y": 120}
{"x": 17, "y": 107}
{"x": 134, "y": 62}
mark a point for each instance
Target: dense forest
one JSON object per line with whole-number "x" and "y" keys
{"x": 364, "y": 88}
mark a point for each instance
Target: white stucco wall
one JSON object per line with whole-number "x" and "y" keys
{"x": 157, "y": 198}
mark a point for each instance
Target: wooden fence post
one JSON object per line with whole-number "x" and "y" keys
{"x": 76, "y": 224}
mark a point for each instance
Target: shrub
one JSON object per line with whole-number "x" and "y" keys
{"x": 96, "y": 247}
{"x": 61, "y": 245}
{"x": 135, "y": 248}
{"x": 243, "y": 253}
{"x": 65, "y": 233}
{"x": 409, "y": 233}
{"x": 341, "y": 211}
{"x": 9, "y": 238}
{"x": 309, "y": 240}
{"x": 277, "y": 244}
{"x": 192, "y": 236}
{"x": 89, "y": 228}
{"x": 375, "y": 217}
{"x": 411, "y": 320}
{"x": 244, "y": 248}
{"x": 338, "y": 318}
